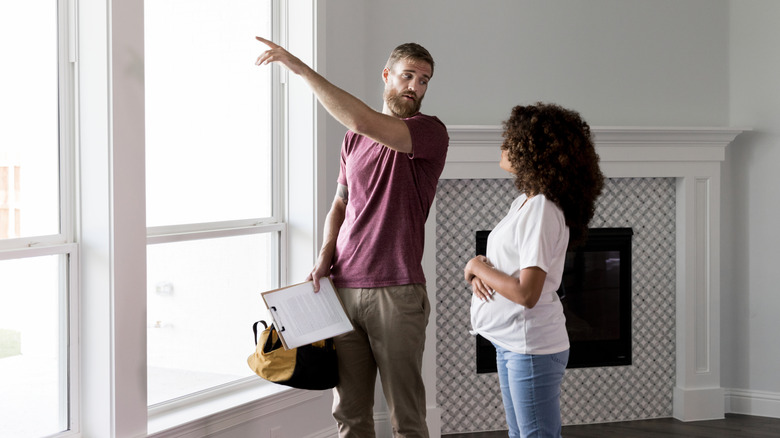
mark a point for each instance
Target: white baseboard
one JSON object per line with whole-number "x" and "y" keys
{"x": 384, "y": 426}
{"x": 433, "y": 418}
{"x": 758, "y": 403}
{"x": 330, "y": 432}
{"x": 695, "y": 404}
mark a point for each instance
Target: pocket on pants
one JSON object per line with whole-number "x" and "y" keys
{"x": 561, "y": 358}
{"x": 412, "y": 299}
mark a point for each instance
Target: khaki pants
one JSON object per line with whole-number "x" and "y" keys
{"x": 389, "y": 336}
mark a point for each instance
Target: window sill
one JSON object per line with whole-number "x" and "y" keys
{"x": 223, "y": 409}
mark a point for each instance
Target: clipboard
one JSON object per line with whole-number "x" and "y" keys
{"x": 302, "y": 317}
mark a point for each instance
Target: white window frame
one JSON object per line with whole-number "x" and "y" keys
{"x": 113, "y": 234}
{"x": 62, "y": 243}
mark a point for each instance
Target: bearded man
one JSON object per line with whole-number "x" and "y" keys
{"x": 373, "y": 238}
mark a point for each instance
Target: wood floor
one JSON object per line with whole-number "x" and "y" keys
{"x": 733, "y": 426}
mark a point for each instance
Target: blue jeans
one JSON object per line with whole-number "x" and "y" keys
{"x": 531, "y": 390}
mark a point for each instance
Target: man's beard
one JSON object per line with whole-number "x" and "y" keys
{"x": 401, "y": 106}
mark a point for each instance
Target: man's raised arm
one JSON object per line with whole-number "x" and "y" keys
{"x": 350, "y": 111}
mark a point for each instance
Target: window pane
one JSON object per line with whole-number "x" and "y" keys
{"x": 208, "y": 119}
{"x": 29, "y": 126}
{"x": 32, "y": 348}
{"x": 203, "y": 297}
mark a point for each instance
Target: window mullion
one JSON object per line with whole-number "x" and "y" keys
{"x": 67, "y": 118}
{"x": 37, "y": 251}
{"x": 210, "y": 226}
{"x": 211, "y": 234}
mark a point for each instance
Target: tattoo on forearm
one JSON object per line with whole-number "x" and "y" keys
{"x": 343, "y": 193}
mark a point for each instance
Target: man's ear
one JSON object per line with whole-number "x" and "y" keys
{"x": 385, "y": 72}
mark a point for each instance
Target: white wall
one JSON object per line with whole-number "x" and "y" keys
{"x": 622, "y": 62}
{"x": 750, "y": 211}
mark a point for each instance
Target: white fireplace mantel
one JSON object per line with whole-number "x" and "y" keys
{"x": 692, "y": 156}
{"x": 624, "y": 151}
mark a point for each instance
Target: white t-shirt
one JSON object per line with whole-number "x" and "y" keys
{"x": 532, "y": 235}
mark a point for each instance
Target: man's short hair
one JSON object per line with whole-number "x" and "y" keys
{"x": 410, "y": 51}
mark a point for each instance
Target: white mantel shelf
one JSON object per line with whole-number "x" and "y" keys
{"x": 691, "y": 155}
{"x": 474, "y": 149}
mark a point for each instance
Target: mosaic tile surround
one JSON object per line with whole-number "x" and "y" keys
{"x": 471, "y": 402}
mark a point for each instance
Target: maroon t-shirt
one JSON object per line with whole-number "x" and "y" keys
{"x": 381, "y": 240}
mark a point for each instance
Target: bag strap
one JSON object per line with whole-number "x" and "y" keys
{"x": 254, "y": 328}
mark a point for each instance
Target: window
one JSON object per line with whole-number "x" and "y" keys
{"x": 38, "y": 257}
{"x": 75, "y": 332}
{"x": 209, "y": 154}
{"x": 212, "y": 183}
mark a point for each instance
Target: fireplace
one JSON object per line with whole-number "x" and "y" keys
{"x": 596, "y": 296}
{"x": 666, "y": 186}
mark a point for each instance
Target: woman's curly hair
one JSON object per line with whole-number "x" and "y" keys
{"x": 552, "y": 153}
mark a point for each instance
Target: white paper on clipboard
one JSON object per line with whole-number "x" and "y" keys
{"x": 302, "y": 316}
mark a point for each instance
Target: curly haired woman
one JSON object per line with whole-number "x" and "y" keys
{"x": 550, "y": 151}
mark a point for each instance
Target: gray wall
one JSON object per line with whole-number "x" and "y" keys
{"x": 620, "y": 63}
{"x": 751, "y": 237}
